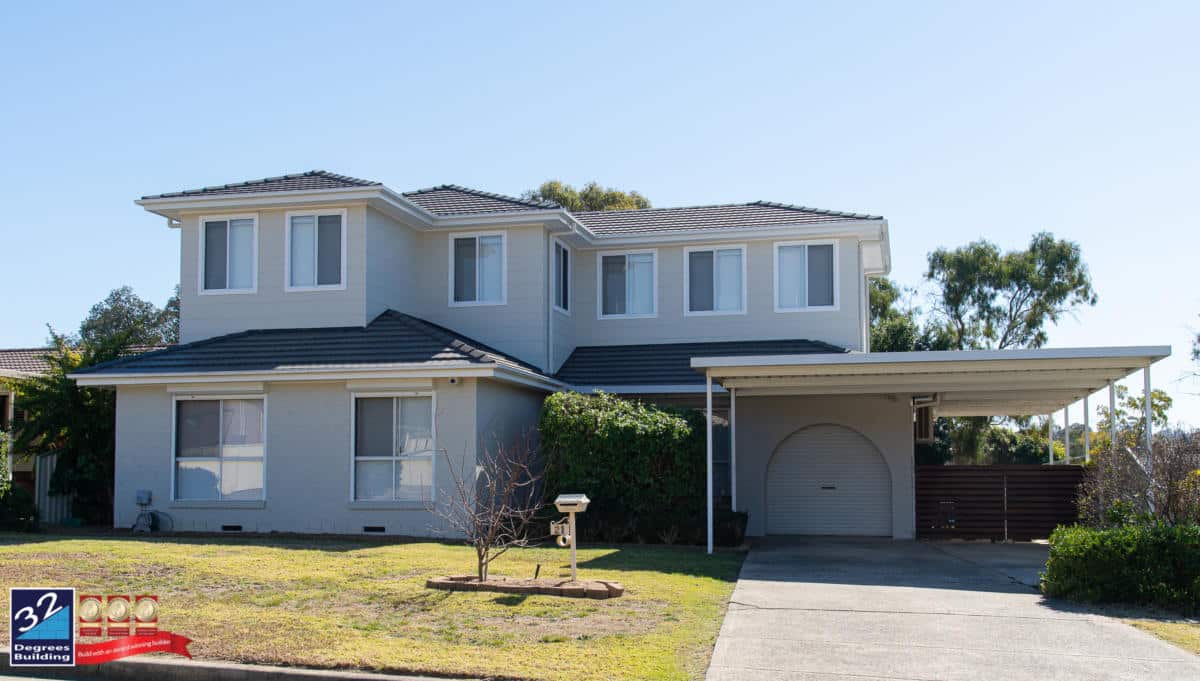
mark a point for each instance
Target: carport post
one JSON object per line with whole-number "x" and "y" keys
{"x": 709, "y": 456}
{"x": 1146, "y": 395}
{"x": 1067, "y": 433}
{"x": 733, "y": 449}
{"x": 1050, "y": 438}
{"x": 1087, "y": 432}
{"x": 1112, "y": 418}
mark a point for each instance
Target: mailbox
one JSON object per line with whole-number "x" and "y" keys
{"x": 564, "y": 529}
{"x": 571, "y": 503}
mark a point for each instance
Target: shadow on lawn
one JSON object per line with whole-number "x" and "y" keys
{"x": 298, "y": 542}
{"x": 689, "y": 560}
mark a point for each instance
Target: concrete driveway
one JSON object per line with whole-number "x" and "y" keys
{"x": 826, "y": 609}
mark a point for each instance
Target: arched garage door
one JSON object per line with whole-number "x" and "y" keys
{"x": 828, "y": 479}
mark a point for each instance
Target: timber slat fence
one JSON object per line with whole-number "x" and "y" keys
{"x": 995, "y": 502}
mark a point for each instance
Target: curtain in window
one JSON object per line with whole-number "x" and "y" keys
{"x": 700, "y": 281}
{"x": 197, "y": 431}
{"x": 820, "y": 275}
{"x": 241, "y": 254}
{"x": 491, "y": 268}
{"x": 304, "y": 243}
{"x": 329, "y": 250}
{"x": 613, "y": 267}
{"x": 639, "y": 298}
{"x": 414, "y": 424}
{"x": 464, "y": 270}
{"x": 729, "y": 280}
{"x": 792, "y": 277}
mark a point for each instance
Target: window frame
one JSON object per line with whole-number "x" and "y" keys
{"x": 432, "y": 455}
{"x": 503, "y": 268}
{"x": 554, "y": 278}
{"x": 687, "y": 280}
{"x": 600, "y": 255}
{"x": 836, "y": 288}
{"x": 202, "y": 256}
{"x": 175, "y": 400}
{"x": 287, "y": 251}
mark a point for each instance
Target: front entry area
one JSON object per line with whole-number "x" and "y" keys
{"x": 828, "y": 480}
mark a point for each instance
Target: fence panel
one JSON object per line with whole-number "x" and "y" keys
{"x": 995, "y": 502}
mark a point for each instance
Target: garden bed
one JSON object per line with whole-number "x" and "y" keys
{"x": 598, "y": 589}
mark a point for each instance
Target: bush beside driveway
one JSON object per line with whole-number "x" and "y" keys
{"x": 355, "y": 603}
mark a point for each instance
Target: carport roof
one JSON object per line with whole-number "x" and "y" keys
{"x": 965, "y": 383}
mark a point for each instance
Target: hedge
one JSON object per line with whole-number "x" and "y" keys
{"x": 1146, "y": 564}
{"x": 641, "y": 465}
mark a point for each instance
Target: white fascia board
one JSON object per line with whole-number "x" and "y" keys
{"x": 533, "y": 216}
{"x": 529, "y": 379}
{"x": 447, "y": 370}
{"x": 681, "y": 388}
{"x": 1146, "y": 354}
{"x": 862, "y": 229}
{"x": 383, "y": 198}
{"x": 13, "y": 373}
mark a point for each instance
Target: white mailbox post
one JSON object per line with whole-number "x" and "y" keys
{"x": 569, "y": 504}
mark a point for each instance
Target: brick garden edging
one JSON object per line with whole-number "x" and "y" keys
{"x": 549, "y": 587}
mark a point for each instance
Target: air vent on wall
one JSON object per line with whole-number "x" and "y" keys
{"x": 231, "y": 528}
{"x": 372, "y": 528}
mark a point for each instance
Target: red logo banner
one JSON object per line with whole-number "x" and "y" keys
{"x": 162, "y": 642}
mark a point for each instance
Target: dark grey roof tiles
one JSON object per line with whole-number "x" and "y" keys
{"x": 313, "y": 179}
{"x": 24, "y": 360}
{"x": 391, "y": 338}
{"x": 667, "y": 363}
{"x": 451, "y": 199}
{"x": 727, "y": 216}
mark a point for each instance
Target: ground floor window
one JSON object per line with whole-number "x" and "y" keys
{"x": 219, "y": 447}
{"x": 393, "y": 448}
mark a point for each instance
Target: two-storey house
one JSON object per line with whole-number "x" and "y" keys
{"x": 343, "y": 343}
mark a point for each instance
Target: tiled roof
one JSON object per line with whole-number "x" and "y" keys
{"x": 391, "y": 338}
{"x": 727, "y": 216}
{"x": 313, "y": 179}
{"x": 451, "y": 199}
{"x": 667, "y": 363}
{"x": 24, "y": 360}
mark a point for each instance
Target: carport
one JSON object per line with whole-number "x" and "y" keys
{"x": 839, "y": 427}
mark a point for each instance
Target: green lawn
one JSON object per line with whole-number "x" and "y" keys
{"x": 362, "y": 604}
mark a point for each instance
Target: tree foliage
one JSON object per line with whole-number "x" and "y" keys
{"x": 1130, "y": 416}
{"x": 896, "y": 325}
{"x": 990, "y": 299}
{"x": 591, "y": 196}
{"x": 139, "y": 322}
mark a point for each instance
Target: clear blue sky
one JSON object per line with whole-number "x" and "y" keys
{"x": 954, "y": 120}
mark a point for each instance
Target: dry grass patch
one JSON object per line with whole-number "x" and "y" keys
{"x": 363, "y": 604}
{"x": 1186, "y": 635}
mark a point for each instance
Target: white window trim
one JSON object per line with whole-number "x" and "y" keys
{"x": 570, "y": 272}
{"x": 503, "y": 269}
{"x": 836, "y": 276}
{"x": 287, "y": 251}
{"x": 354, "y": 397}
{"x": 202, "y": 255}
{"x": 653, "y": 280}
{"x": 687, "y": 280}
{"x": 175, "y": 400}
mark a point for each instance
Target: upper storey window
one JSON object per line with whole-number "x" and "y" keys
{"x": 715, "y": 280}
{"x": 477, "y": 269}
{"x": 805, "y": 276}
{"x": 628, "y": 283}
{"x": 562, "y": 277}
{"x": 229, "y": 254}
{"x": 316, "y": 250}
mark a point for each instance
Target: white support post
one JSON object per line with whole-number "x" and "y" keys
{"x": 1112, "y": 418}
{"x": 1050, "y": 438}
{"x": 1087, "y": 432}
{"x": 1067, "y": 433}
{"x": 1146, "y": 395}
{"x": 708, "y": 496}
{"x": 733, "y": 449}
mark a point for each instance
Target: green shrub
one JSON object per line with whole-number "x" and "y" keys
{"x": 1145, "y": 564}
{"x": 17, "y": 509}
{"x": 641, "y": 465}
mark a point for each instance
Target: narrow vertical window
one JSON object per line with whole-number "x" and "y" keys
{"x": 229, "y": 253}
{"x": 477, "y": 269}
{"x": 714, "y": 281}
{"x": 562, "y": 277}
{"x": 315, "y": 251}
{"x": 805, "y": 276}
{"x": 627, "y": 286}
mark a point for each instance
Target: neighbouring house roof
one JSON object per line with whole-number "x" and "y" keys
{"x": 667, "y": 364}
{"x": 392, "y": 338}
{"x": 727, "y": 216}
{"x": 313, "y": 179}
{"x": 23, "y": 361}
{"x": 451, "y": 199}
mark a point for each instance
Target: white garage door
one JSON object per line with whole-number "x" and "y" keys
{"x": 828, "y": 480}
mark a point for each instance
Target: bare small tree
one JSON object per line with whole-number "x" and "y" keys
{"x": 1164, "y": 482}
{"x": 495, "y": 500}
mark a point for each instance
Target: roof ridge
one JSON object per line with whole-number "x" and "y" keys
{"x": 809, "y": 209}
{"x": 480, "y": 192}
{"x": 771, "y": 204}
{"x": 44, "y": 347}
{"x": 274, "y": 178}
{"x": 457, "y": 340}
{"x": 170, "y": 348}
